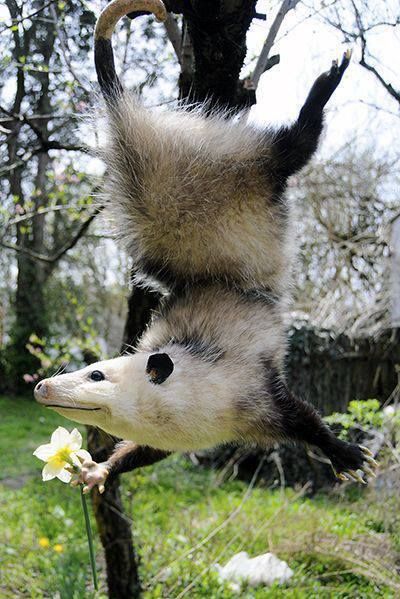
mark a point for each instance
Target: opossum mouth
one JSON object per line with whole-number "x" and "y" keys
{"x": 54, "y": 405}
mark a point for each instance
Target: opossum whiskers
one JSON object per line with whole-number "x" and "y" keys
{"x": 61, "y": 369}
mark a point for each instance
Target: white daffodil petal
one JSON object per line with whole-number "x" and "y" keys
{"x": 75, "y": 439}
{"x": 64, "y": 476}
{"x": 44, "y": 452}
{"x": 60, "y": 437}
{"x": 50, "y": 471}
{"x": 82, "y": 453}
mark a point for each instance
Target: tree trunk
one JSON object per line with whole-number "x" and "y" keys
{"x": 30, "y": 309}
{"x": 395, "y": 273}
{"x": 30, "y": 305}
{"x": 114, "y": 527}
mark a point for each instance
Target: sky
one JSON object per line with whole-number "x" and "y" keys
{"x": 307, "y": 47}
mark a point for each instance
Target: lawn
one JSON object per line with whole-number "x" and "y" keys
{"x": 341, "y": 545}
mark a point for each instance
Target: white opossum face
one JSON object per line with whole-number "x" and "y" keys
{"x": 145, "y": 398}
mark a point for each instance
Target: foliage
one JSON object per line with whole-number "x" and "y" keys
{"x": 176, "y": 508}
{"x": 365, "y": 414}
{"x": 368, "y": 419}
{"x": 57, "y": 353}
{"x": 368, "y": 416}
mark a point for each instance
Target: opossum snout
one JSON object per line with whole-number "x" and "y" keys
{"x": 41, "y": 391}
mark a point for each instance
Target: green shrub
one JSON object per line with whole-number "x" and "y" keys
{"x": 362, "y": 414}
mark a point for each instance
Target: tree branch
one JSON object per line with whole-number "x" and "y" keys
{"x": 65, "y": 50}
{"x": 360, "y": 34}
{"x": 174, "y": 35}
{"x": 74, "y": 240}
{"x": 262, "y": 62}
{"x": 47, "y": 145}
{"x": 389, "y": 88}
{"x": 62, "y": 251}
{"x": 17, "y": 21}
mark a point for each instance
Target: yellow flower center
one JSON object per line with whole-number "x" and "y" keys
{"x": 61, "y": 457}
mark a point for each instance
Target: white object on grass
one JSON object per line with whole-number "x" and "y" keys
{"x": 264, "y": 569}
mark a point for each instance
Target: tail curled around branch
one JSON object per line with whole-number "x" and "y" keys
{"x": 110, "y": 85}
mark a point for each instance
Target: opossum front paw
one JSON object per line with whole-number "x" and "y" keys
{"x": 353, "y": 463}
{"x": 91, "y": 475}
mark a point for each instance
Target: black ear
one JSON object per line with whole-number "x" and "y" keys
{"x": 159, "y": 367}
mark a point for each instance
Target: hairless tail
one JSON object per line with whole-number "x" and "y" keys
{"x": 109, "y": 83}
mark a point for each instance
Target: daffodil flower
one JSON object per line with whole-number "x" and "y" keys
{"x": 62, "y": 455}
{"x": 63, "y": 451}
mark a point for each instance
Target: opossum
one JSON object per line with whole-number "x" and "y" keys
{"x": 199, "y": 203}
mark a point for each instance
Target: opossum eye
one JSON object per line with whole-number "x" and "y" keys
{"x": 97, "y": 376}
{"x": 159, "y": 367}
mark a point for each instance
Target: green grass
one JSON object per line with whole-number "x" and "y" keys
{"x": 184, "y": 521}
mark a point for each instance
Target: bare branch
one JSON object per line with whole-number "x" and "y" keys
{"x": 21, "y": 19}
{"x": 41, "y": 210}
{"x": 62, "y": 251}
{"x": 174, "y": 35}
{"x": 24, "y": 250}
{"x": 23, "y": 119}
{"x": 65, "y": 50}
{"x": 262, "y": 62}
{"x": 389, "y": 88}
{"x": 59, "y": 145}
{"x": 74, "y": 240}
{"x": 360, "y": 33}
{"x": 44, "y": 147}
{"x": 37, "y": 117}
{"x": 45, "y": 144}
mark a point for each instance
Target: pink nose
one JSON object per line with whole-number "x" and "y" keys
{"x": 41, "y": 390}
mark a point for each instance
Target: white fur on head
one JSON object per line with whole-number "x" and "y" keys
{"x": 191, "y": 409}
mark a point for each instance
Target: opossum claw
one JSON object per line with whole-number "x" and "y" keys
{"x": 367, "y": 468}
{"x": 366, "y": 451}
{"x": 373, "y": 463}
{"x": 356, "y": 476}
{"x": 368, "y": 455}
{"x": 369, "y": 471}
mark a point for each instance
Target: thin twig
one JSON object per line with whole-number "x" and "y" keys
{"x": 65, "y": 50}
{"x": 262, "y": 62}
{"x": 62, "y": 251}
{"x": 21, "y": 19}
{"x": 174, "y": 35}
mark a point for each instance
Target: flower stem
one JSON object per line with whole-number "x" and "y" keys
{"x": 90, "y": 539}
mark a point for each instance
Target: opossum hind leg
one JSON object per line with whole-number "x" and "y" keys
{"x": 323, "y": 88}
{"x": 299, "y": 421}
